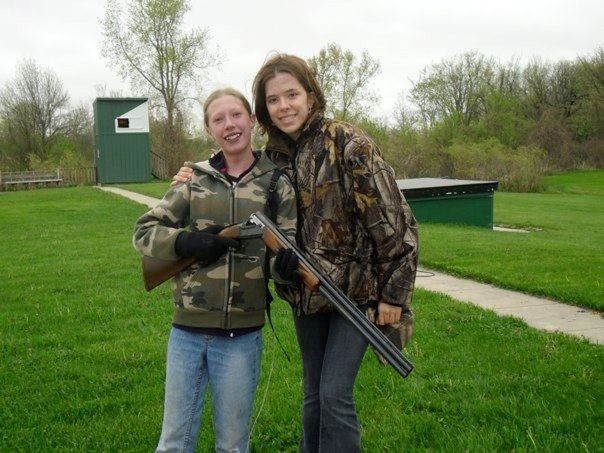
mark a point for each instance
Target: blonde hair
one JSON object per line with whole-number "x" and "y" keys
{"x": 216, "y": 94}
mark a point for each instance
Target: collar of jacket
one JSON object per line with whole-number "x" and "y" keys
{"x": 263, "y": 165}
{"x": 278, "y": 142}
{"x": 218, "y": 161}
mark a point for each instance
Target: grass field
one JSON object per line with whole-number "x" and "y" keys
{"x": 577, "y": 182}
{"x": 562, "y": 258}
{"x": 82, "y": 353}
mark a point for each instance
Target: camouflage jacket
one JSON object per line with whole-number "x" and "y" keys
{"x": 352, "y": 218}
{"x": 230, "y": 293}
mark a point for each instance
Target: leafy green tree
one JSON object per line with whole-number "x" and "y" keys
{"x": 454, "y": 88}
{"x": 80, "y": 133}
{"x": 588, "y": 121}
{"x": 148, "y": 45}
{"x": 345, "y": 79}
{"x": 504, "y": 119}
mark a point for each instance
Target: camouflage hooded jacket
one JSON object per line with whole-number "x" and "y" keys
{"x": 230, "y": 293}
{"x": 352, "y": 218}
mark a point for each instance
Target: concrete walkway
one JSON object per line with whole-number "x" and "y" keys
{"x": 142, "y": 199}
{"x": 537, "y": 312}
{"x": 544, "y": 314}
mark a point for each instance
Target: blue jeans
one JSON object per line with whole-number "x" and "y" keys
{"x": 332, "y": 351}
{"x": 232, "y": 367}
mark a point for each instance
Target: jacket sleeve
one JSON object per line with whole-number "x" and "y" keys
{"x": 387, "y": 218}
{"x": 286, "y": 216}
{"x": 287, "y": 212}
{"x": 155, "y": 232}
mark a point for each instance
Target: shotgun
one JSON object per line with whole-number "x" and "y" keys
{"x": 157, "y": 271}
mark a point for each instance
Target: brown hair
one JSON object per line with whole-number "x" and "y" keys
{"x": 224, "y": 92}
{"x": 300, "y": 70}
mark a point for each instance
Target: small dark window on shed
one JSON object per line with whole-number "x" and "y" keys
{"x": 123, "y": 123}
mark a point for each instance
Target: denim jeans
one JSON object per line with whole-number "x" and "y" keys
{"x": 332, "y": 351}
{"x": 232, "y": 367}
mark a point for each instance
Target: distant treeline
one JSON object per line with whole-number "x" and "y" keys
{"x": 472, "y": 117}
{"x": 468, "y": 116}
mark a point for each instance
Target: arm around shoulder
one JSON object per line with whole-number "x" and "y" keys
{"x": 287, "y": 207}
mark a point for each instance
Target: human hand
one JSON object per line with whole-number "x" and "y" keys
{"x": 183, "y": 175}
{"x": 286, "y": 265}
{"x": 212, "y": 229}
{"x": 388, "y": 314}
{"x": 203, "y": 246}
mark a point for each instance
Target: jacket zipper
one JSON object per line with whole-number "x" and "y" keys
{"x": 230, "y": 260}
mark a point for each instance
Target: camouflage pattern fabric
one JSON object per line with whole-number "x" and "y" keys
{"x": 353, "y": 220}
{"x": 229, "y": 293}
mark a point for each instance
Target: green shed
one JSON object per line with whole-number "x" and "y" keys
{"x": 121, "y": 140}
{"x": 450, "y": 200}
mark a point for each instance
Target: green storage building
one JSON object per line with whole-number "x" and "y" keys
{"x": 121, "y": 140}
{"x": 450, "y": 200}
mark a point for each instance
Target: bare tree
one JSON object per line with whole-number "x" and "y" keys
{"x": 508, "y": 78}
{"x": 536, "y": 78}
{"x": 149, "y": 46}
{"x": 32, "y": 112}
{"x": 405, "y": 118}
{"x": 345, "y": 80}
{"x": 103, "y": 91}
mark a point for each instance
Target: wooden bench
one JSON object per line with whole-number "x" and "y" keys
{"x": 18, "y": 179}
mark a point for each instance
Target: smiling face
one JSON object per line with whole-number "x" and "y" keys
{"x": 230, "y": 124}
{"x": 288, "y": 103}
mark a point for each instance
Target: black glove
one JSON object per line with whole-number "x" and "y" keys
{"x": 286, "y": 265}
{"x": 204, "y": 246}
{"x": 213, "y": 229}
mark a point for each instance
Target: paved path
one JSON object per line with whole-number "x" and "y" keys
{"x": 537, "y": 312}
{"x": 142, "y": 199}
{"x": 544, "y": 314}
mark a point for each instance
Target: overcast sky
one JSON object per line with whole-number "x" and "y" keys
{"x": 65, "y": 36}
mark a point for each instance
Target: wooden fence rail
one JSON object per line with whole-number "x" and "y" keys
{"x": 81, "y": 175}
{"x": 159, "y": 167}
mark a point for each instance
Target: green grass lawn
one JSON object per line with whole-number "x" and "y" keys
{"x": 82, "y": 354}
{"x": 578, "y": 182}
{"x": 563, "y": 258}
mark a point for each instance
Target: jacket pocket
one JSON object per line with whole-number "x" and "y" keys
{"x": 205, "y": 287}
{"x": 247, "y": 283}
